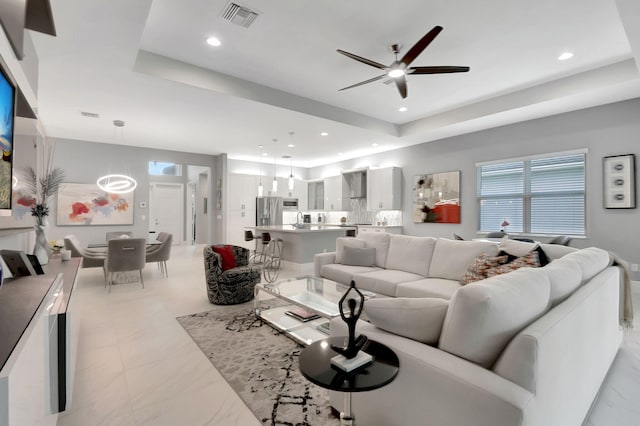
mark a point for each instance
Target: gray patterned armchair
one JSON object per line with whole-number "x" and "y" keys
{"x": 234, "y": 285}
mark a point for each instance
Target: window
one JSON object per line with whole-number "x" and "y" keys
{"x": 159, "y": 168}
{"x": 538, "y": 195}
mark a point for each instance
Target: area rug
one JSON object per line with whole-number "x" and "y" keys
{"x": 261, "y": 365}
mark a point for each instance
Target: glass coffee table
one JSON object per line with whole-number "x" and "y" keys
{"x": 314, "y": 295}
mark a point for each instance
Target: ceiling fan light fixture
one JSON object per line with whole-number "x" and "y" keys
{"x": 402, "y": 109}
{"x": 214, "y": 41}
{"x": 396, "y": 73}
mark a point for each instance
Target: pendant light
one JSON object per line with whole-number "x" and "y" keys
{"x": 260, "y": 187}
{"x": 291, "y": 145}
{"x": 274, "y": 186}
{"x": 117, "y": 183}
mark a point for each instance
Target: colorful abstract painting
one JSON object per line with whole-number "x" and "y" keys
{"x": 6, "y": 141}
{"x": 86, "y": 204}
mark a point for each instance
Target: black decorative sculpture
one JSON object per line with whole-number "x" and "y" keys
{"x": 353, "y": 345}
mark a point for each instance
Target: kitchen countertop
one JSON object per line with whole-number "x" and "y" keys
{"x": 311, "y": 228}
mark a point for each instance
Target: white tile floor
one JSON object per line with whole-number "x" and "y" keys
{"x": 137, "y": 366}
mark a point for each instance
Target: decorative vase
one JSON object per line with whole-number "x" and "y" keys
{"x": 41, "y": 249}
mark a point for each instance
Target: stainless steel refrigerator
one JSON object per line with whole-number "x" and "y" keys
{"x": 269, "y": 211}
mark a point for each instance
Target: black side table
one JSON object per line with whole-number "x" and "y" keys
{"x": 315, "y": 365}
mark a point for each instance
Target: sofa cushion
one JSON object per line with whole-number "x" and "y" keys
{"x": 481, "y": 264}
{"x": 341, "y": 242}
{"x": 383, "y": 281}
{"x": 379, "y": 241}
{"x": 358, "y": 256}
{"x": 410, "y": 254}
{"x": 531, "y": 260}
{"x": 556, "y": 251}
{"x": 428, "y": 287}
{"x": 484, "y": 316}
{"x": 343, "y": 273}
{"x": 452, "y": 258}
{"x": 565, "y": 276}
{"x": 591, "y": 260}
{"x": 418, "y": 319}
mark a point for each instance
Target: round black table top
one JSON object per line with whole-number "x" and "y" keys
{"x": 315, "y": 365}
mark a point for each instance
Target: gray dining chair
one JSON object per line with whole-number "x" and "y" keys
{"x": 496, "y": 234}
{"x": 124, "y": 254}
{"x": 90, "y": 258}
{"x": 160, "y": 253}
{"x": 562, "y": 240}
{"x": 119, "y": 234}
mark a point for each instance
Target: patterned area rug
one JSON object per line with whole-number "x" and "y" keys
{"x": 261, "y": 365}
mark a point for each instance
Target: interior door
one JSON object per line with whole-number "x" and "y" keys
{"x": 166, "y": 209}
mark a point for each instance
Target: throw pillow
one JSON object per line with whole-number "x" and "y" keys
{"x": 419, "y": 319}
{"x": 478, "y": 269}
{"x": 531, "y": 260}
{"x": 226, "y": 254}
{"x": 343, "y": 242}
{"x": 358, "y": 256}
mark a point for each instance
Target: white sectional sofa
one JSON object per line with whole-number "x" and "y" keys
{"x": 530, "y": 347}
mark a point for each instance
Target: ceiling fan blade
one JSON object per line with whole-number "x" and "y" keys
{"x": 363, "y": 60}
{"x": 401, "y": 84}
{"x": 371, "y": 80}
{"x": 436, "y": 70}
{"x": 420, "y": 45}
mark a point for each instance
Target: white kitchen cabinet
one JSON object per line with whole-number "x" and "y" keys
{"x": 241, "y": 209}
{"x": 333, "y": 194}
{"x": 299, "y": 192}
{"x": 315, "y": 195}
{"x": 384, "y": 189}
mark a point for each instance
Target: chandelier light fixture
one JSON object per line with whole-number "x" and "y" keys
{"x": 117, "y": 183}
{"x": 291, "y": 145}
{"x": 274, "y": 185}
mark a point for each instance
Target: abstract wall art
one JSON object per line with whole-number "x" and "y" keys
{"x": 86, "y": 204}
{"x": 436, "y": 197}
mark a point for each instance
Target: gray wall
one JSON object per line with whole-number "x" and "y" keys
{"x": 606, "y": 130}
{"x": 84, "y": 162}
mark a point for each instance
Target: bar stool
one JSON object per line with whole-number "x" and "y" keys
{"x": 248, "y": 236}
{"x": 273, "y": 250}
{"x": 350, "y": 233}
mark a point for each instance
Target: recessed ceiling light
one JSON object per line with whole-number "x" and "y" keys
{"x": 565, "y": 56}
{"x": 213, "y": 41}
{"x": 260, "y": 146}
{"x": 402, "y": 109}
{"x": 324, "y": 134}
{"x": 339, "y": 153}
{"x": 290, "y": 145}
{"x": 264, "y": 154}
{"x": 374, "y": 144}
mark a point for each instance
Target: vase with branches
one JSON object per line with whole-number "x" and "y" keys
{"x": 42, "y": 190}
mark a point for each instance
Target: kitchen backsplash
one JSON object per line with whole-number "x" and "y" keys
{"x": 358, "y": 215}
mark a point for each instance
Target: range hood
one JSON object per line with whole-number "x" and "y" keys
{"x": 357, "y": 184}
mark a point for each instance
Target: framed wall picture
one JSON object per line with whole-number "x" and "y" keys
{"x": 86, "y": 204}
{"x": 619, "y": 182}
{"x": 436, "y": 197}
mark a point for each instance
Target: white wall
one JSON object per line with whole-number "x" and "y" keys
{"x": 606, "y": 130}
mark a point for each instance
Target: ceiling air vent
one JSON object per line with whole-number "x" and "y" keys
{"x": 239, "y": 14}
{"x": 89, "y": 114}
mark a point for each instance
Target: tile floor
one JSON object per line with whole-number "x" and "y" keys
{"x": 137, "y": 366}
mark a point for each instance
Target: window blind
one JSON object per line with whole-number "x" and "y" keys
{"x": 536, "y": 196}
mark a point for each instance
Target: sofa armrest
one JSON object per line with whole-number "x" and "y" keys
{"x": 321, "y": 259}
{"x": 435, "y": 384}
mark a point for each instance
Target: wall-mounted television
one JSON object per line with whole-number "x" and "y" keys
{"x": 7, "y": 119}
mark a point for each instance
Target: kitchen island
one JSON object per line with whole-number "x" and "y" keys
{"x": 302, "y": 243}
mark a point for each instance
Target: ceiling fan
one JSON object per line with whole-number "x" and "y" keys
{"x": 398, "y": 70}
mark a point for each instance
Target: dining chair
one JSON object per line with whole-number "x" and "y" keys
{"x": 562, "y": 240}
{"x": 90, "y": 258}
{"x": 119, "y": 234}
{"x": 160, "y": 253}
{"x": 496, "y": 234}
{"x": 124, "y": 254}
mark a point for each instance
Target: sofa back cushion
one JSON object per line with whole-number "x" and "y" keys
{"x": 415, "y": 318}
{"x": 556, "y": 251}
{"x": 565, "y": 276}
{"x": 591, "y": 261}
{"x": 410, "y": 254}
{"x": 452, "y": 258}
{"x": 341, "y": 242}
{"x": 484, "y": 316}
{"x": 379, "y": 241}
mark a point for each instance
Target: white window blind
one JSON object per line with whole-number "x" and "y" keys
{"x": 536, "y": 196}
